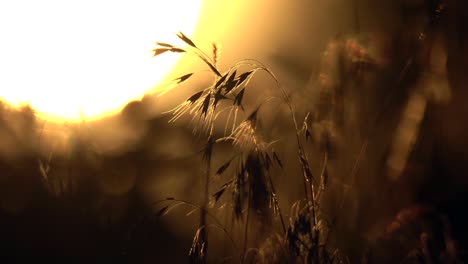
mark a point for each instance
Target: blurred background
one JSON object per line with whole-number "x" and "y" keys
{"x": 85, "y": 191}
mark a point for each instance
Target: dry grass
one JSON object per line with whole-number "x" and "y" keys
{"x": 254, "y": 200}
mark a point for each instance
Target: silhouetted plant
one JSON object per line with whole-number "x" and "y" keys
{"x": 251, "y": 186}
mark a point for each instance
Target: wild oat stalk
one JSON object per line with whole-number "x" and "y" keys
{"x": 251, "y": 183}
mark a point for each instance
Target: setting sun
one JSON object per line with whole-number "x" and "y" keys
{"x": 73, "y": 58}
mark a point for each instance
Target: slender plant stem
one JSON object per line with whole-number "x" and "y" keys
{"x": 246, "y": 229}
{"x": 276, "y": 204}
{"x": 203, "y": 213}
{"x": 312, "y": 199}
{"x": 218, "y": 224}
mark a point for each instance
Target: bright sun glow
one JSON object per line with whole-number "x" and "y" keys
{"x": 89, "y": 56}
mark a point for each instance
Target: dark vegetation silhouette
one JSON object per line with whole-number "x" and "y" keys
{"x": 89, "y": 205}
{"x": 251, "y": 185}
